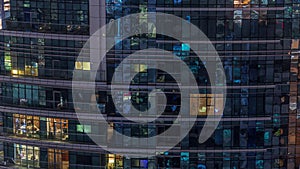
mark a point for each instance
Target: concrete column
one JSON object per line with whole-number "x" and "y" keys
{"x": 97, "y": 19}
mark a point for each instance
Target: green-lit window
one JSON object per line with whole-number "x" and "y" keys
{"x": 27, "y": 4}
{"x": 84, "y": 128}
{"x": 7, "y": 61}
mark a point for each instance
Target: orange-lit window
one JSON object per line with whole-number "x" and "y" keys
{"x": 204, "y": 104}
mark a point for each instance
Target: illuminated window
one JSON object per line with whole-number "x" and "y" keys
{"x": 78, "y": 65}
{"x": 86, "y": 66}
{"x": 14, "y": 72}
{"x": 82, "y": 65}
{"x": 84, "y": 128}
{"x": 28, "y": 126}
{"x": 204, "y": 104}
{"x": 31, "y": 69}
{"x": 58, "y": 158}
{"x": 57, "y": 128}
{"x": 114, "y": 161}
{"x": 182, "y": 50}
{"x": 240, "y": 3}
{"x": 17, "y": 67}
{"x": 26, "y": 4}
{"x": 137, "y": 68}
{"x": 6, "y": 5}
{"x": 7, "y": 61}
{"x": 295, "y": 44}
{"x": 185, "y": 156}
{"x": 111, "y": 158}
{"x": 27, "y": 155}
{"x": 185, "y": 47}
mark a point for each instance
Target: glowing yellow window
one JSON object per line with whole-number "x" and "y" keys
{"x": 140, "y": 68}
{"x": 78, "y": 65}
{"x": 86, "y": 66}
{"x": 82, "y": 65}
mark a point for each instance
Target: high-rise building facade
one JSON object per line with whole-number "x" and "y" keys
{"x": 257, "y": 41}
